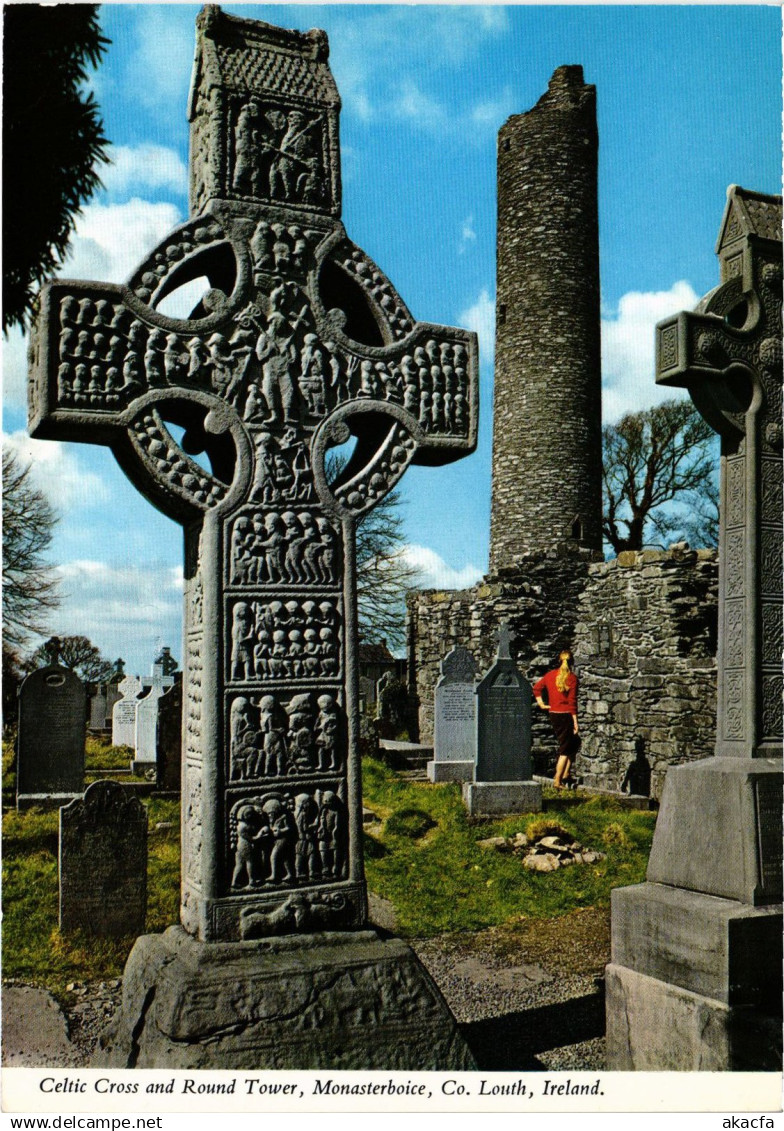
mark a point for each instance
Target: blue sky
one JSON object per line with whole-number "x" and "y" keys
{"x": 689, "y": 101}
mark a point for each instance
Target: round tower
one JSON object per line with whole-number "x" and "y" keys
{"x": 547, "y": 442}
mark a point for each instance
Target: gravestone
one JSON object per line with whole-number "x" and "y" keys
{"x": 103, "y": 862}
{"x": 169, "y": 739}
{"x": 300, "y": 342}
{"x": 146, "y": 723}
{"x": 454, "y": 734}
{"x": 124, "y": 712}
{"x": 52, "y": 729}
{"x": 695, "y": 977}
{"x": 503, "y": 780}
{"x": 102, "y": 705}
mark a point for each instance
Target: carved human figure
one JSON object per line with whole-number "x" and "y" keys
{"x": 273, "y": 350}
{"x": 329, "y": 834}
{"x": 326, "y": 733}
{"x": 244, "y": 144}
{"x": 284, "y": 835}
{"x": 306, "y": 814}
{"x": 252, "y": 830}
{"x": 243, "y": 627}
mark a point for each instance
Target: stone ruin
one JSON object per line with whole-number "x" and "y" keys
{"x": 300, "y": 342}
{"x": 642, "y": 627}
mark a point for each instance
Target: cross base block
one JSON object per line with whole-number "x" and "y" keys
{"x": 342, "y": 1000}
{"x": 442, "y": 769}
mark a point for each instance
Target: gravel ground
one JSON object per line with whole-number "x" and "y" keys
{"x": 527, "y": 997}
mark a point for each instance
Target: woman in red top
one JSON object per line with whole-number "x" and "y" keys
{"x": 561, "y": 687}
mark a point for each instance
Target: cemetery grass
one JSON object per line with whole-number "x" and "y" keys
{"x": 423, "y": 855}
{"x": 34, "y": 949}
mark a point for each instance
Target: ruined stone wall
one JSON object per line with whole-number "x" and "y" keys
{"x": 547, "y": 388}
{"x": 539, "y": 599}
{"x": 643, "y": 631}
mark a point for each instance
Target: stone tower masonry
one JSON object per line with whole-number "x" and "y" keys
{"x": 547, "y": 408}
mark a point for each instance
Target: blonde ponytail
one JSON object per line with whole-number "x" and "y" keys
{"x": 562, "y": 679}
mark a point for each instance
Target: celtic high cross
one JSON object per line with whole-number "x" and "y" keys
{"x": 298, "y": 342}
{"x": 728, "y": 355}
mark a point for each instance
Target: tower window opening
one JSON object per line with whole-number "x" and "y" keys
{"x": 577, "y": 529}
{"x": 502, "y": 313}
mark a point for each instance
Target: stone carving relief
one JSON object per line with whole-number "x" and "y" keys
{"x": 300, "y": 912}
{"x": 733, "y": 705}
{"x": 291, "y": 547}
{"x": 271, "y": 736}
{"x": 279, "y": 153}
{"x": 736, "y": 492}
{"x": 287, "y": 838}
{"x": 284, "y": 640}
{"x": 459, "y": 664}
{"x": 171, "y": 465}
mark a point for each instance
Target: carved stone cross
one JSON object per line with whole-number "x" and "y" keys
{"x": 298, "y": 343}
{"x": 728, "y": 355}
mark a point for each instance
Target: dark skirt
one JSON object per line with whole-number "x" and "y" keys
{"x": 568, "y": 741}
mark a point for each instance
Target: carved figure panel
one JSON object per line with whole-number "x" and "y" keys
{"x": 286, "y": 838}
{"x": 289, "y": 547}
{"x": 272, "y": 736}
{"x": 296, "y": 639}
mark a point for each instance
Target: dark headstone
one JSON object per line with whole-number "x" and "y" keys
{"x": 52, "y": 715}
{"x": 503, "y": 721}
{"x": 169, "y": 743}
{"x": 103, "y": 862}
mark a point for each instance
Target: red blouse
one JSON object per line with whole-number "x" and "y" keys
{"x": 561, "y": 703}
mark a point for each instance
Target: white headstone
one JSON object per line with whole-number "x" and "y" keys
{"x": 124, "y": 712}
{"x": 454, "y": 735}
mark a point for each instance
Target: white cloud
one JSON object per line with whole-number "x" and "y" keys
{"x": 136, "y": 168}
{"x": 110, "y": 240}
{"x": 160, "y": 69}
{"x": 127, "y": 611}
{"x": 15, "y": 368}
{"x": 481, "y": 318}
{"x": 467, "y": 234}
{"x": 435, "y": 573}
{"x": 412, "y": 103}
{"x": 108, "y": 243}
{"x": 494, "y": 112}
{"x": 628, "y": 348}
{"x": 57, "y": 470}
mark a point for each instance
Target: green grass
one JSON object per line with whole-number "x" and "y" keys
{"x": 34, "y": 948}
{"x": 100, "y": 756}
{"x": 423, "y": 856}
{"x": 444, "y": 881}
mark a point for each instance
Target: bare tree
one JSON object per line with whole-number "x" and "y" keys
{"x": 52, "y": 141}
{"x": 78, "y": 654}
{"x": 384, "y": 575}
{"x": 659, "y": 456}
{"x": 29, "y": 582}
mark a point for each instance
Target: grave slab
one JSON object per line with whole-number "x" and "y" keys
{"x": 503, "y": 778}
{"x": 52, "y": 729}
{"x": 454, "y": 734}
{"x": 103, "y": 862}
{"x": 498, "y": 798}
